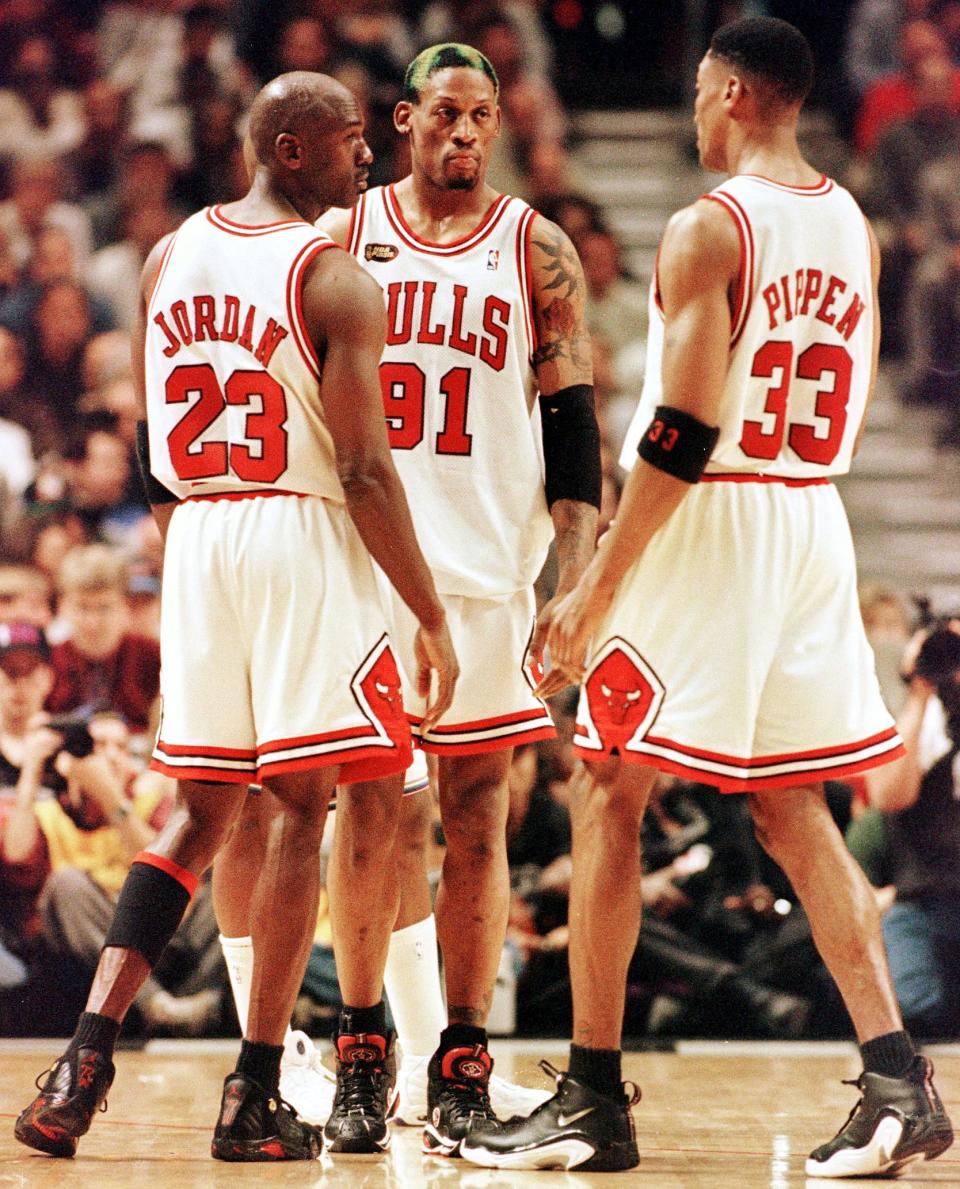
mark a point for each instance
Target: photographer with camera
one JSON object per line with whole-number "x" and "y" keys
{"x": 79, "y": 814}
{"x": 919, "y": 796}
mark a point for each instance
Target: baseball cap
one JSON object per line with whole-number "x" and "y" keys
{"x": 22, "y": 639}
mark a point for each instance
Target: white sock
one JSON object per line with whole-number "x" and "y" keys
{"x": 412, "y": 983}
{"x": 238, "y": 955}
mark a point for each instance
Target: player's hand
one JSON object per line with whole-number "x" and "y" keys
{"x": 434, "y": 652}
{"x": 575, "y": 619}
{"x": 554, "y": 681}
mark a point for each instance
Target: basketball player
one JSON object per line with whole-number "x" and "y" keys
{"x": 412, "y": 972}
{"x": 269, "y": 469}
{"x": 484, "y": 306}
{"x": 720, "y": 611}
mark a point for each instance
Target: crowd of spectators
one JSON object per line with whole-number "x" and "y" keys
{"x": 119, "y": 118}
{"x": 903, "y": 64}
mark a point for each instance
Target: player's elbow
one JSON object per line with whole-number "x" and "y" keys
{"x": 364, "y": 477}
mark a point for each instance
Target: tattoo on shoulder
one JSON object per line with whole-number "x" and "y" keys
{"x": 561, "y": 264}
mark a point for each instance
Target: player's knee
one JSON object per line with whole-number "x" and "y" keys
{"x": 786, "y": 821}
{"x": 610, "y": 794}
{"x": 477, "y": 846}
{"x": 413, "y": 828}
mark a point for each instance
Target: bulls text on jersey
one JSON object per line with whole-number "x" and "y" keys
{"x": 410, "y": 318}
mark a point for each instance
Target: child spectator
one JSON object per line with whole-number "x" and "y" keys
{"x": 102, "y": 663}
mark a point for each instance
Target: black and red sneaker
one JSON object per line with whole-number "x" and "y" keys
{"x": 257, "y": 1125}
{"x": 366, "y": 1072}
{"x": 75, "y": 1089}
{"x": 458, "y": 1098}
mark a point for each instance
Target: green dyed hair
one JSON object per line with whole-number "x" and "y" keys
{"x": 440, "y": 57}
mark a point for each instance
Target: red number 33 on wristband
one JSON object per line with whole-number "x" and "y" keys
{"x": 658, "y": 431}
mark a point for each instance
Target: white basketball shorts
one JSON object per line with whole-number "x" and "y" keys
{"x": 274, "y": 648}
{"x": 734, "y": 652}
{"x": 494, "y": 704}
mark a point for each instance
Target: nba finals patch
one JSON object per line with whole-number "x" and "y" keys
{"x": 381, "y": 252}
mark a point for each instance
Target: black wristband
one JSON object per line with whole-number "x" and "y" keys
{"x": 571, "y": 446}
{"x": 154, "y": 490}
{"x": 678, "y": 443}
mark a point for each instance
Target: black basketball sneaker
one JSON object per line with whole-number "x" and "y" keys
{"x": 257, "y": 1125}
{"x": 458, "y": 1098}
{"x": 75, "y": 1089}
{"x": 896, "y": 1121}
{"x": 366, "y": 1071}
{"x": 576, "y": 1128}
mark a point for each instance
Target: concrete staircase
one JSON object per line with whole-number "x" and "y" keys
{"x": 903, "y": 495}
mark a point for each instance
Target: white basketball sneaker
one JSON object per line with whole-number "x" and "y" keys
{"x": 409, "y": 1105}
{"x": 305, "y": 1082}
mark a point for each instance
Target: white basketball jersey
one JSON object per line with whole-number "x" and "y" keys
{"x": 802, "y": 337}
{"x": 463, "y": 422}
{"x": 233, "y": 396}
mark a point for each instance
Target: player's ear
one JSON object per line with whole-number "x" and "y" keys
{"x": 288, "y": 150}
{"x": 401, "y": 117}
{"x": 734, "y": 91}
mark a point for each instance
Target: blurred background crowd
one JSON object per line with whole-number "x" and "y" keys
{"x": 117, "y": 119}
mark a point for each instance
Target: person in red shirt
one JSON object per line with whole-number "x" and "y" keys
{"x": 895, "y": 96}
{"x": 102, "y": 663}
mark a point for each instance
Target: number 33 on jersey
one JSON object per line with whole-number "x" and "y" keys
{"x": 801, "y": 347}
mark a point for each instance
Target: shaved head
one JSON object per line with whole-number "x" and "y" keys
{"x": 296, "y": 103}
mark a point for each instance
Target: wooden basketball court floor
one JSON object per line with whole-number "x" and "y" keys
{"x": 713, "y": 1116}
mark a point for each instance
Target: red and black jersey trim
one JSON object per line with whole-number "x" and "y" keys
{"x": 525, "y": 275}
{"x": 733, "y": 774}
{"x": 823, "y": 186}
{"x": 219, "y": 220}
{"x": 355, "y": 229}
{"x": 745, "y": 282}
{"x": 465, "y": 243}
{"x": 302, "y": 261}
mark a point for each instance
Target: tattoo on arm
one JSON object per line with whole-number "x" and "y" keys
{"x": 559, "y": 316}
{"x": 561, "y": 265}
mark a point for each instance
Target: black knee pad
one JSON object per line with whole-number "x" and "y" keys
{"x": 149, "y": 911}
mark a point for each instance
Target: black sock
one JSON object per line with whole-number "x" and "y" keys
{"x": 889, "y": 1055}
{"x": 356, "y": 1020}
{"x": 96, "y": 1032}
{"x": 455, "y": 1035}
{"x": 261, "y": 1063}
{"x": 597, "y": 1068}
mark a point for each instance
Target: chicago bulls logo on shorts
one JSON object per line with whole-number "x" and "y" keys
{"x": 377, "y": 689}
{"x": 619, "y": 701}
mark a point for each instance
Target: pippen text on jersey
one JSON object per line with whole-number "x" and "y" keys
{"x": 224, "y": 319}
{"x": 806, "y": 292}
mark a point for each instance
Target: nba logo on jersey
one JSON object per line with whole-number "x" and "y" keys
{"x": 493, "y": 259}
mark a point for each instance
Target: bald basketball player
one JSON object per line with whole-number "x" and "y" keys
{"x": 267, "y": 464}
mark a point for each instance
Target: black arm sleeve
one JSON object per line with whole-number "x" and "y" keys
{"x": 571, "y": 445}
